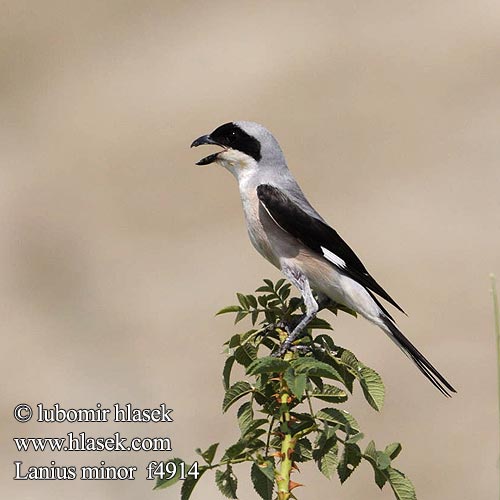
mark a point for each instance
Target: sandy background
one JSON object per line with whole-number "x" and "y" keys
{"x": 115, "y": 251}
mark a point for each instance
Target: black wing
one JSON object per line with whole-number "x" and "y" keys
{"x": 318, "y": 236}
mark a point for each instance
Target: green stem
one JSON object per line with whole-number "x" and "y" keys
{"x": 287, "y": 448}
{"x": 288, "y": 441}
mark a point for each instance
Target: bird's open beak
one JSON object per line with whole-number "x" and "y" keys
{"x": 206, "y": 139}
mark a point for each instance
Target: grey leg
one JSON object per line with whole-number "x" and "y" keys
{"x": 302, "y": 283}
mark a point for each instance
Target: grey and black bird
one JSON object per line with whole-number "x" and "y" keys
{"x": 289, "y": 233}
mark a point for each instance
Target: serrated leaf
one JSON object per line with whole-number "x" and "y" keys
{"x": 252, "y": 300}
{"x": 326, "y": 341}
{"x": 255, "y": 316}
{"x": 161, "y": 484}
{"x": 319, "y": 324}
{"x": 326, "y": 456}
{"x": 243, "y": 301}
{"x": 228, "y": 309}
{"x": 262, "y": 484}
{"x": 245, "y": 416}
{"x": 349, "y": 461}
{"x": 354, "y": 439}
{"x": 383, "y": 460}
{"x": 262, "y": 299}
{"x": 279, "y": 284}
{"x": 267, "y": 364}
{"x": 373, "y": 387}
{"x": 314, "y": 368}
{"x": 254, "y": 425}
{"x": 330, "y": 393}
{"x": 189, "y": 483}
{"x": 234, "y": 341}
{"x": 341, "y": 417}
{"x": 240, "y": 315}
{"x": 245, "y": 354}
{"x": 303, "y": 451}
{"x": 226, "y": 482}
{"x": 401, "y": 486}
{"x": 296, "y": 382}
{"x": 235, "y": 392}
{"x": 209, "y": 454}
{"x": 348, "y": 358}
{"x": 285, "y": 292}
{"x": 293, "y": 304}
{"x": 235, "y": 450}
{"x": 370, "y": 455}
{"x": 393, "y": 450}
{"x": 226, "y": 373}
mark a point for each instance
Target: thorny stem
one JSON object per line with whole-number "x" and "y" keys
{"x": 288, "y": 441}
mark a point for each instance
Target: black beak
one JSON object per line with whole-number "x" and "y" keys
{"x": 205, "y": 139}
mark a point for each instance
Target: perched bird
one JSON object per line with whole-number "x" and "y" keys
{"x": 289, "y": 233}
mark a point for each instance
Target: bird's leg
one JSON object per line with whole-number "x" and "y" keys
{"x": 312, "y": 307}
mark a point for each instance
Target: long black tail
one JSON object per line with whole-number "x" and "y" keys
{"x": 417, "y": 357}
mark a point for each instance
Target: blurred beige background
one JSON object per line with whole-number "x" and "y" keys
{"x": 115, "y": 251}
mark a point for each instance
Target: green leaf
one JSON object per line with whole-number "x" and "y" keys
{"x": 252, "y": 301}
{"x": 341, "y": 417}
{"x": 279, "y": 284}
{"x": 255, "y": 424}
{"x": 370, "y": 455}
{"x": 245, "y": 354}
{"x": 354, "y": 439}
{"x": 255, "y": 316}
{"x": 245, "y": 416}
{"x": 296, "y": 383}
{"x": 349, "y": 461}
{"x": 240, "y": 316}
{"x": 319, "y": 324}
{"x": 226, "y": 482}
{"x": 393, "y": 450}
{"x": 348, "y": 358}
{"x": 243, "y": 301}
{"x": 326, "y": 456}
{"x": 235, "y": 392}
{"x": 326, "y": 341}
{"x": 234, "y": 341}
{"x": 262, "y": 299}
{"x": 383, "y": 460}
{"x": 226, "y": 373}
{"x": 267, "y": 364}
{"x": 284, "y": 293}
{"x": 270, "y": 284}
{"x": 209, "y": 454}
{"x": 189, "y": 483}
{"x": 330, "y": 393}
{"x": 401, "y": 486}
{"x": 235, "y": 450}
{"x": 161, "y": 484}
{"x": 313, "y": 367}
{"x": 303, "y": 451}
{"x": 373, "y": 387}
{"x": 228, "y": 309}
{"x": 262, "y": 484}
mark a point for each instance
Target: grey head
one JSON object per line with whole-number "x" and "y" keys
{"x": 246, "y": 145}
{"x": 252, "y": 154}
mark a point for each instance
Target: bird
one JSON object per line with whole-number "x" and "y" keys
{"x": 288, "y": 232}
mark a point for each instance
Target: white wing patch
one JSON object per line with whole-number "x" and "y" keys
{"x": 334, "y": 259}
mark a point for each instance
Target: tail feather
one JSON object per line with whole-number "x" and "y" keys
{"x": 417, "y": 357}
